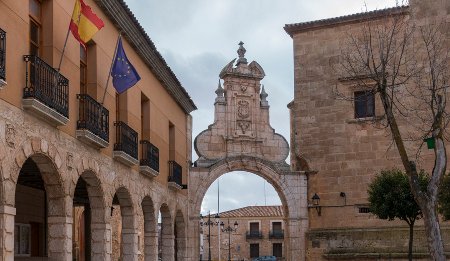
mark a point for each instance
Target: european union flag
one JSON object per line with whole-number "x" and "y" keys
{"x": 123, "y": 72}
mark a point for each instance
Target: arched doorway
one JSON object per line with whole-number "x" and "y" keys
{"x": 89, "y": 222}
{"x": 241, "y": 139}
{"x": 123, "y": 225}
{"x": 250, "y": 218}
{"x": 39, "y": 202}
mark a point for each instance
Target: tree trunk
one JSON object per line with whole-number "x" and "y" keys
{"x": 433, "y": 232}
{"x": 411, "y": 240}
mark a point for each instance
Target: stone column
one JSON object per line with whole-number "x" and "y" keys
{"x": 129, "y": 244}
{"x": 193, "y": 239}
{"x": 7, "y": 214}
{"x": 60, "y": 238}
{"x": 101, "y": 241}
{"x": 151, "y": 246}
{"x": 168, "y": 244}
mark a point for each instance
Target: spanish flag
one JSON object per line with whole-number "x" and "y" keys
{"x": 84, "y": 23}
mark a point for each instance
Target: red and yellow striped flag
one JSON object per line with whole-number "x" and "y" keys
{"x": 84, "y": 23}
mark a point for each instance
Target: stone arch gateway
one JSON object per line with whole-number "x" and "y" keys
{"x": 241, "y": 138}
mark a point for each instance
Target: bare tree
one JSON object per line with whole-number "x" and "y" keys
{"x": 406, "y": 66}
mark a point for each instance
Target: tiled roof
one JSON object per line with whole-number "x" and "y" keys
{"x": 126, "y": 22}
{"x": 291, "y": 29}
{"x": 254, "y": 211}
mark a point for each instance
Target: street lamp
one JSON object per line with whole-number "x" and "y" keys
{"x": 229, "y": 229}
{"x": 209, "y": 223}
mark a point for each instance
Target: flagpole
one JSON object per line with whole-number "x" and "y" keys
{"x": 110, "y": 69}
{"x": 67, "y": 38}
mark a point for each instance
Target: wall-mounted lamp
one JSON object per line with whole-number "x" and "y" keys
{"x": 316, "y": 204}
{"x": 343, "y": 195}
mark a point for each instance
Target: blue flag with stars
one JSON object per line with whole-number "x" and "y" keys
{"x": 123, "y": 72}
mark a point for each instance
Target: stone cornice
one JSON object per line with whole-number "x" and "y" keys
{"x": 292, "y": 29}
{"x": 124, "y": 20}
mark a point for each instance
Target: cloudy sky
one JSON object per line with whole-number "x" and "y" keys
{"x": 199, "y": 37}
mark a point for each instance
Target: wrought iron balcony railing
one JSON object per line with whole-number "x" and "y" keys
{"x": 276, "y": 234}
{"x": 93, "y": 117}
{"x": 126, "y": 139}
{"x": 45, "y": 84}
{"x": 2, "y": 55}
{"x": 150, "y": 155}
{"x": 175, "y": 173}
{"x": 254, "y": 235}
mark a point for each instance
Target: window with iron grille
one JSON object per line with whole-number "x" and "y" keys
{"x": 364, "y": 104}
{"x": 364, "y": 210}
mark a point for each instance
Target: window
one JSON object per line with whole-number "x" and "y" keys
{"x": 276, "y": 227}
{"x": 364, "y": 104}
{"x": 171, "y": 141}
{"x": 254, "y": 250}
{"x": 277, "y": 249}
{"x": 363, "y": 210}
{"x": 254, "y": 227}
{"x": 35, "y": 26}
{"x": 22, "y": 239}
{"x": 83, "y": 70}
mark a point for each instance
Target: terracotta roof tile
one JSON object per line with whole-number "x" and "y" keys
{"x": 254, "y": 211}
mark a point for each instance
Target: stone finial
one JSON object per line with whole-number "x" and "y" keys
{"x": 263, "y": 96}
{"x": 220, "y": 91}
{"x": 241, "y": 52}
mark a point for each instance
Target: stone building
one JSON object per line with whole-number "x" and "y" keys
{"x": 342, "y": 150}
{"x": 69, "y": 165}
{"x": 259, "y": 232}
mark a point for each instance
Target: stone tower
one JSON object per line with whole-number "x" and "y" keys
{"x": 241, "y": 120}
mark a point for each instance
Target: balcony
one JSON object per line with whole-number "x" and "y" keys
{"x": 149, "y": 165}
{"x": 175, "y": 175}
{"x": 46, "y": 92}
{"x": 276, "y": 234}
{"x": 126, "y": 146}
{"x": 2, "y": 59}
{"x": 254, "y": 235}
{"x": 93, "y": 122}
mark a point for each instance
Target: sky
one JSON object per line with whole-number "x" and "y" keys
{"x": 197, "y": 38}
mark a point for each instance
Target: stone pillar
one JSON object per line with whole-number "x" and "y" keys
{"x": 129, "y": 244}
{"x": 7, "y": 214}
{"x": 193, "y": 239}
{"x": 60, "y": 238}
{"x": 101, "y": 242}
{"x": 151, "y": 246}
{"x": 168, "y": 244}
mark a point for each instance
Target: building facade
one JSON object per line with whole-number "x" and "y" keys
{"x": 246, "y": 233}
{"x": 82, "y": 180}
{"x": 342, "y": 142}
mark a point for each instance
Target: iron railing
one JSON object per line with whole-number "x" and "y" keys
{"x": 93, "y": 117}
{"x": 2, "y": 55}
{"x": 276, "y": 234}
{"x": 126, "y": 139}
{"x": 46, "y": 84}
{"x": 150, "y": 155}
{"x": 175, "y": 172}
{"x": 254, "y": 235}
